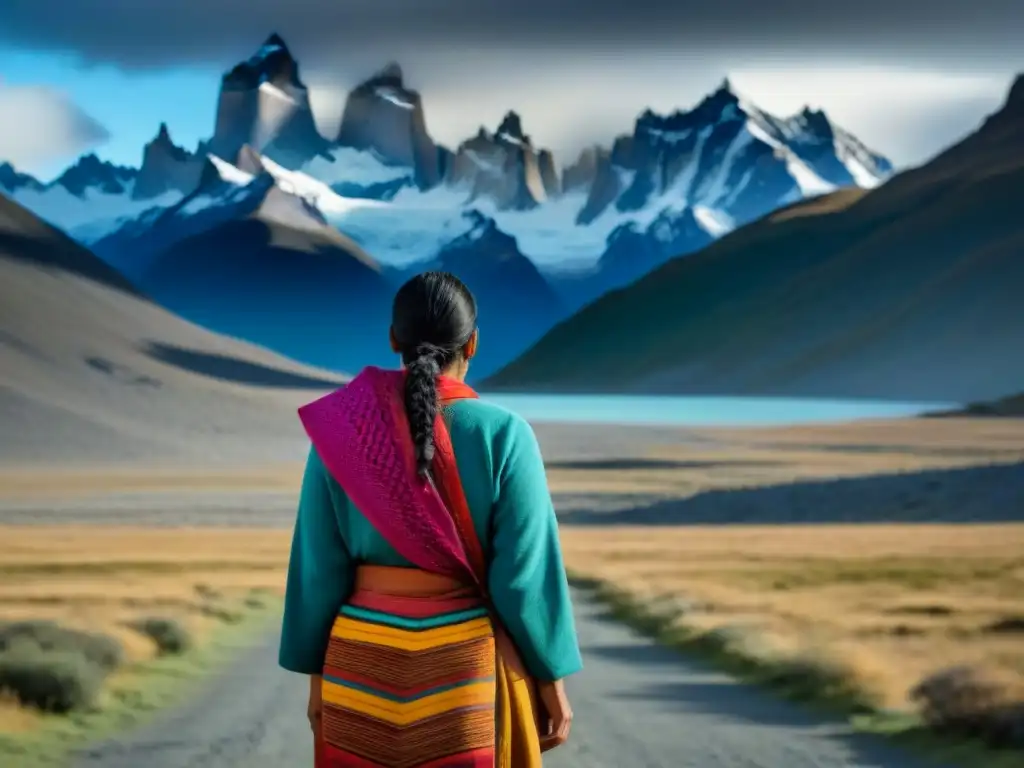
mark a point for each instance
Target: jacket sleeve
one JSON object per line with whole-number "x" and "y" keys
{"x": 319, "y": 575}
{"x": 527, "y": 578}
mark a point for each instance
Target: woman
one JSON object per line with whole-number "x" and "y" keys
{"x": 426, "y": 595}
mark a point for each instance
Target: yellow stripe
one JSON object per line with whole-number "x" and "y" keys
{"x": 346, "y": 628}
{"x": 476, "y": 694}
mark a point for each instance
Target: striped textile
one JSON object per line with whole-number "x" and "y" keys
{"x": 409, "y": 682}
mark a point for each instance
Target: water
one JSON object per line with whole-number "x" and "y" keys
{"x": 671, "y": 410}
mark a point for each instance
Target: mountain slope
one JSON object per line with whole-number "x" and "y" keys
{"x": 516, "y": 304}
{"x": 91, "y": 370}
{"x": 273, "y": 271}
{"x": 910, "y": 291}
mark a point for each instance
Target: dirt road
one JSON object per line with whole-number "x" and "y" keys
{"x": 637, "y": 705}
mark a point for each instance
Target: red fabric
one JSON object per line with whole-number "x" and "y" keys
{"x": 449, "y": 390}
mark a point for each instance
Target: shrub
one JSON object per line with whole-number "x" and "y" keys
{"x": 207, "y": 592}
{"x": 52, "y": 681}
{"x": 170, "y": 636}
{"x": 255, "y": 602}
{"x": 964, "y": 700}
{"x": 221, "y": 613}
{"x": 48, "y": 636}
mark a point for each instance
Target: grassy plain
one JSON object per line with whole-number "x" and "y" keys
{"x": 894, "y": 604}
{"x": 889, "y": 602}
{"x": 220, "y": 585}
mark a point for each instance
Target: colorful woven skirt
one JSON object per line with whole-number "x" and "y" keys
{"x": 409, "y": 682}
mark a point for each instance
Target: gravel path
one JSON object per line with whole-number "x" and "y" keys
{"x": 637, "y": 706}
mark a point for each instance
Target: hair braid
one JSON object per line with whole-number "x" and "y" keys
{"x": 421, "y": 402}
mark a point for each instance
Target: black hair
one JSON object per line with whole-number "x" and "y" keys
{"x": 432, "y": 318}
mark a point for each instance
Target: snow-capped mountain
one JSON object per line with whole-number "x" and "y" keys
{"x": 264, "y": 103}
{"x": 725, "y": 155}
{"x": 495, "y": 202}
{"x": 250, "y": 253}
{"x": 178, "y": 253}
{"x": 384, "y": 117}
{"x": 504, "y": 167}
{"x": 89, "y": 199}
{"x": 166, "y": 167}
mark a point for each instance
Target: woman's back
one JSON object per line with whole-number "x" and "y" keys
{"x": 502, "y": 474}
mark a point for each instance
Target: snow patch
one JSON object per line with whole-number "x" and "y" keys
{"x": 230, "y": 173}
{"x": 353, "y": 166}
{"x": 858, "y": 160}
{"x": 394, "y": 96}
{"x": 315, "y": 192}
{"x": 411, "y": 227}
{"x": 715, "y": 189}
{"x": 268, "y": 88}
{"x": 715, "y": 223}
{"x": 810, "y": 183}
{"x": 202, "y": 202}
{"x": 91, "y": 216}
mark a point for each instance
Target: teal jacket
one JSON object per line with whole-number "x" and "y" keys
{"x": 503, "y": 476}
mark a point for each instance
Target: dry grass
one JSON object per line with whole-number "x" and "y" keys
{"x": 732, "y": 458}
{"x": 103, "y": 578}
{"x": 58, "y": 483}
{"x": 895, "y": 603}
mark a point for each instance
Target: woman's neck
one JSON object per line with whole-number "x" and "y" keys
{"x": 456, "y": 370}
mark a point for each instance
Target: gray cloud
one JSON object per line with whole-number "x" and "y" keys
{"x": 581, "y": 70}
{"x": 145, "y": 34}
{"x": 41, "y": 125}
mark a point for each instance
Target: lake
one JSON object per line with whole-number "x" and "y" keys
{"x": 669, "y": 410}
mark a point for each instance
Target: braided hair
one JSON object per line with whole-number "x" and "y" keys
{"x": 433, "y": 317}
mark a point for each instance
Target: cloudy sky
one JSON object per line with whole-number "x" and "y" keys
{"x": 907, "y": 76}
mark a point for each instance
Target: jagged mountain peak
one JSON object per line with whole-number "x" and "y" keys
{"x": 163, "y": 142}
{"x": 272, "y": 62}
{"x": 722, "y": 104}
{"x": 480, "y": 226}
{"x": 275, "y": 41}
{"x": 391, "y": 74}
{"x": 89, "y": 171}
{"x": 12, "y": 179}
{"x": 815, "y": 122}
{"x": 166, "y": 166}
{"x": 512, "y": 126}
{"x": 388, "y": 84}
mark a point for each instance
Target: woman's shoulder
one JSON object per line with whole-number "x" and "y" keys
{"x": 491, "y": 419}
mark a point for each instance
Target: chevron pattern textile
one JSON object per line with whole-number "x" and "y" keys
{"x": 409, "y": 682}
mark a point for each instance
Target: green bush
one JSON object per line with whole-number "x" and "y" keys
{"x": 170, "y": 636}
{"x": 48, "y": 636}
{"x": 52, "y": 681}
